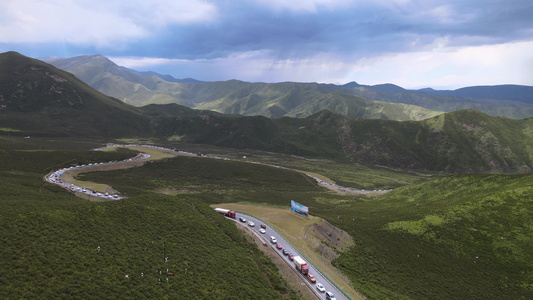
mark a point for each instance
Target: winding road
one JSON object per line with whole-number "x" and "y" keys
{"x": 58, "y": 178}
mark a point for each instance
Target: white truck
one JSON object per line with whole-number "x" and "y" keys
{"x": 226, "y": 212}
{"x": 301, "y": 265}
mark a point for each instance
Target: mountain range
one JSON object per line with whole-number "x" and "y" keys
{"x": 39, "y": 99}
{"x": 275, "y": 100}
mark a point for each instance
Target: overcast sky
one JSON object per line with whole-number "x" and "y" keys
{"x": 427, "y": 43}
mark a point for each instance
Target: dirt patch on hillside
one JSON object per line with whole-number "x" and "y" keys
{"x": 327, "y": 240}
{"x": 175, "y": 191}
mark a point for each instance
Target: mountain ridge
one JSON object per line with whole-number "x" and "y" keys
{"x": 35, "y": 96}
{"x": 460, "y": 141}
{"x": 514, "y": 92}
{"x": 231, "y": 97}
{"x": 272, "y": 99}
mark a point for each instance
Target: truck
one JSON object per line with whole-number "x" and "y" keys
{"x": 226, "y": 212}
{"x": 301, "y": 265}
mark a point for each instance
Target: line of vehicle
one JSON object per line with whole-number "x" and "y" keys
{"x": 269, "y": 231}
{"x": 55, "y": 177}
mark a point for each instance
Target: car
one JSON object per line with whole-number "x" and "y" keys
{"x": 263, "y": 226}
{"x": 262, "y": 231}
{"x": 285, "y": 252}
{"x": 311, "y": 277}
{"x": 330, "y": 296}
{"x": 291, "y": 257}
{"x": 251, "y": 224}
{"x": 273, "y": 240}
{"x": 278, "y": 245}
{"x": 320, "y": 287}
{"x": 242, "y": 219}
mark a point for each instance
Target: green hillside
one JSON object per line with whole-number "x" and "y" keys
{"x": 300, "y": 100}
{"x": 112, "y": 80}
{"x": 230, "y": 97}
{"x": 38, "y": 98}
{"x": 50, "y": 240}
{"x": 173, "y": 110}
{"x": 447, "y": 237}
{"x": 462, "y": 141}
{"x": 458, "y": 237}
{"x": 512, "y": 92}
{"x": 293, "y": 99}
{"x": 504, "y": 106}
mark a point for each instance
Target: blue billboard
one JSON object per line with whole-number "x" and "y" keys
{"x": 297, "y": 207}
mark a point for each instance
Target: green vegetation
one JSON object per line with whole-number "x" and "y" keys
{"x": 274, "y": 100}
{"x": 50, "y": 241}
{"x": 462, "y": 141}
{"x": 8, "y": 129}
{"x": 42, "y": 101}
{"x": 345, "y": 174}
{"x": 37, "y": 99}
{"x": 454, "y": 237}
{"x": 292, "y": 99}
{"x": 210, "y": 180}
{"x": 505, "y": 101}
{"x": 450, "y": 237}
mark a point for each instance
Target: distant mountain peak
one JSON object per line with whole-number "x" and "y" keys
{"x": 389, "y": 88}
{"x": 352, "y": 84}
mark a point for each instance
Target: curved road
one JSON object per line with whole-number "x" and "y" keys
{"x": 286, "y": 245}
{"x": 56, "y": 178}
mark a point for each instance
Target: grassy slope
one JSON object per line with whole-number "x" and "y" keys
{"x": 301, "y": 100}
{"x": 290, "y": 98}
{"x": 231, "y": 97}
{"x": 458, "y": 237}
{"x": 457, "y": 142}
{"x": 39, "y": 98}
{"x": 50, "y": 238}
{"x": 418, "y": 242}
{"x": 511, "y": 109}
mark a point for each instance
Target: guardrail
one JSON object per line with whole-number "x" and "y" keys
{"x": 324, "y": 275}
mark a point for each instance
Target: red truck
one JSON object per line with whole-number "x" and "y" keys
{"x": 226, "y": 212}
{"x": 301, "y": 265}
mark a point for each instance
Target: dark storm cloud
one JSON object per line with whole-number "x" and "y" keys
{"x": 362, "y": 29}
{"x": 415, "y": 43}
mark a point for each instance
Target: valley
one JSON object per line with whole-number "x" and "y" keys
{"x": 337, "y": 209}
{"x": 435, "y": 206}
{"x": 67, "y": 177}
{"x": 102, "y": 192}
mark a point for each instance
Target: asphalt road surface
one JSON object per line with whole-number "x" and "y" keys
{"x": 286, "y": 245}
